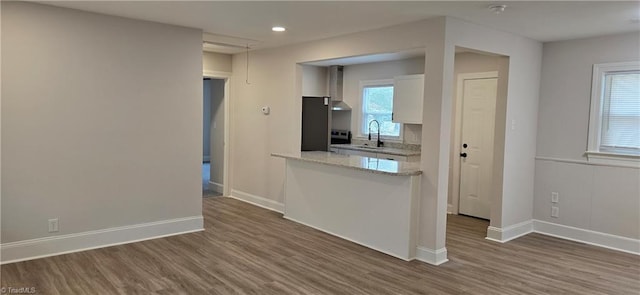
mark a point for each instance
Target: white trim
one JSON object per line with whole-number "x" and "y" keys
{"x": 227, "y": 143}
{"x": 257, "y": 201}
{"x": 582, "y": 162}
{"x": 216, "y": 187}
{"x": 346, "y": 238}
{"x": 457, "y": 133}
{"x": 433, "y": 257}
{"x": 609, "y": 241}
{"x": 63, "y": 244}
{"x": 586, "y": 236}
{"x": 478, "y": 75}
{"x": 216, "y": 74}
{"x": 503, "y": 235}
{"x": 595, "y": 115}
{"x": 227, "y": 127}
{"x": 613, "y": 159}
{"x": 450, "y": 209}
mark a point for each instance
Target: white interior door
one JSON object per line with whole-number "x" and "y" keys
{"x": 476, "y": 171}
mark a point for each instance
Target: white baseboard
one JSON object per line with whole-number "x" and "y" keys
{"x": 216, "y": 187}
{"x": 449, "y": 209}
{"x": 503, "y": 235}
{"x": 258, "y": 201}
{"x": 590, "y": 237}
{"x": 57, "y": 245}
{"x": 434, "y": 257}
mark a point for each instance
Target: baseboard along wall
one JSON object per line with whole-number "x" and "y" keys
{"x": 257, "y": 201}
{"x": 63, "y": 244}
{"x": 575, "y": 234}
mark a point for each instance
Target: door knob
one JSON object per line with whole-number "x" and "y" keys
{"x": 464, "y": 155}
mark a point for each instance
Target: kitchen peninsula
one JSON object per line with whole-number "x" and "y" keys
{"x": 370, "y": 201}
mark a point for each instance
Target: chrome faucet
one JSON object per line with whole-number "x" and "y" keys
{"x": 379, "y": 143}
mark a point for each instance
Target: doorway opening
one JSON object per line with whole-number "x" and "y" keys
{"x": 214, "y": 137}
{"x": 477, "y": 142}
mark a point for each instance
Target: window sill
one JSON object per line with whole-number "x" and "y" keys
{"x": 613, "y": 159}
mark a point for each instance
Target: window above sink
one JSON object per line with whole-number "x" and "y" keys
{"x": 377, "y": 104}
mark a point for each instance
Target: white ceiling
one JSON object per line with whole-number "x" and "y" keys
{"x": 243, "y": 22}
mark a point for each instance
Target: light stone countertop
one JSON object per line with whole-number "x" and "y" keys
{"x": 372, "y": 165}
{"x": 379, "y": 150}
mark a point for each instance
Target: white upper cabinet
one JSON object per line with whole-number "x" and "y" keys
{"x": 408, "y": 95}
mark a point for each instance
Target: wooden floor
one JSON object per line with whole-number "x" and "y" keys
{"x": 249, "y": 250}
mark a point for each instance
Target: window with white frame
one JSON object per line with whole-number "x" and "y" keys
{"x": 377, "y": 104}
{"x": 614, "y": 126}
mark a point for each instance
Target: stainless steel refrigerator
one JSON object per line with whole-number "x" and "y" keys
{"x": 316, "y": 123}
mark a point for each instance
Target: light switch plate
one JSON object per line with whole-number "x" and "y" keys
{"x": 53, "y": 225}
{"x": 554, "y": 197}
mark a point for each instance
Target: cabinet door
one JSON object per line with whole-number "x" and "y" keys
{"x": 408, "y": 95}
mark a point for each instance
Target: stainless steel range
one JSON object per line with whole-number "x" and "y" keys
{"x": 340, "y": 136}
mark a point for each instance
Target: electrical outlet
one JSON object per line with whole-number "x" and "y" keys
{"x": 53, "y": 225}
{"x": 554, "y": 197}
{"x": 555, "y": 211}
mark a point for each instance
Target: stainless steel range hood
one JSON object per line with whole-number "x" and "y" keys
{"x": 335, "y": 89}
{"x": 339, "y": 106}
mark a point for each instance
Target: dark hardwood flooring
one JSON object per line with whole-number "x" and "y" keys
{"x": 249, "y": 250}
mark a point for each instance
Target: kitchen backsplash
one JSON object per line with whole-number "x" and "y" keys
{"x": 395, "y": 145}
{"x": 412, "y": 139}
{"x": 412, "y": 134}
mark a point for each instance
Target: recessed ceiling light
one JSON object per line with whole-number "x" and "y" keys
{"x": 497, "y": 8}
{"x": 278, "y": 29}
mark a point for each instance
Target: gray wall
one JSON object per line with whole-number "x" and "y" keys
{"x": 470, "y": 62}
{"x": 314, "y": 81}
{"x": 217, "y": 130}
{"x": 513, "y": 203}
{"x": 101, "y": 121}
{"x": 598, "y": 198}
{"x": 213, "y": 61}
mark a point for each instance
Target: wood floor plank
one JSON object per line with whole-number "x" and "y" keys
{"x": 249, "y": 250}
